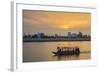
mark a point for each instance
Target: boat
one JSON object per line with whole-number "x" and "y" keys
{"x": 68, "y": 51}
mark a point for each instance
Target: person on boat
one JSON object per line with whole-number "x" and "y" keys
{"x": 68, "y": 51}
{"x": 73, "y": 51}
{"x": 62, "y": 51}
{"x": 58, "y": 50}
{"x": 77, "y": 51}
{"x": 65, "y": 51}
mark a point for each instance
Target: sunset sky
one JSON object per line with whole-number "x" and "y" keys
{"x": 50, "y": 22}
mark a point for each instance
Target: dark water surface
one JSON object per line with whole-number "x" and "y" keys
{"x": 42, "y": 51}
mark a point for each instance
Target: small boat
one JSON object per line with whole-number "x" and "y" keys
{"x": 72, "y": 51}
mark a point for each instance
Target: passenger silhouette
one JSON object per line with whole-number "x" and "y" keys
{"x": 58, "y": 49}
{"x": 77, "y": 51}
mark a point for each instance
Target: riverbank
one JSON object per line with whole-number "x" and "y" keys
{"x": 53, "y": 40}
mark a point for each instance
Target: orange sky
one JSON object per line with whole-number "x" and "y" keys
{"x": 56, "y": 22}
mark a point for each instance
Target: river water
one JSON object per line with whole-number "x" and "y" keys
{"x": 42, "y": 51}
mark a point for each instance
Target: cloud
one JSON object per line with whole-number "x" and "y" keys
{"x": 47, "y": 21}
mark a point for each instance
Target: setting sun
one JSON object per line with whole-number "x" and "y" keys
{"x": 65, "y": 26}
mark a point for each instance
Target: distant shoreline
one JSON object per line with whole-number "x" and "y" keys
{"x": 56, "y": 40}
{"x": 42, "y": 37}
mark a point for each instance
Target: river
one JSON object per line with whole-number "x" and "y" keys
{"x": 42, "y": 51}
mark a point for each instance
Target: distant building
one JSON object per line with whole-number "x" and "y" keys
{"x": 56, "y": 36}
{"x": 72, "y": 34}
{"x": 69, "y": 34}
{"x": 40, "y": 35}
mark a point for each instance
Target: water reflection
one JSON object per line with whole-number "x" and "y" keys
{"x": 64, "y": 57}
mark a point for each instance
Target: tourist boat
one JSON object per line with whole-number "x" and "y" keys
{"x": 67, "y": 51}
